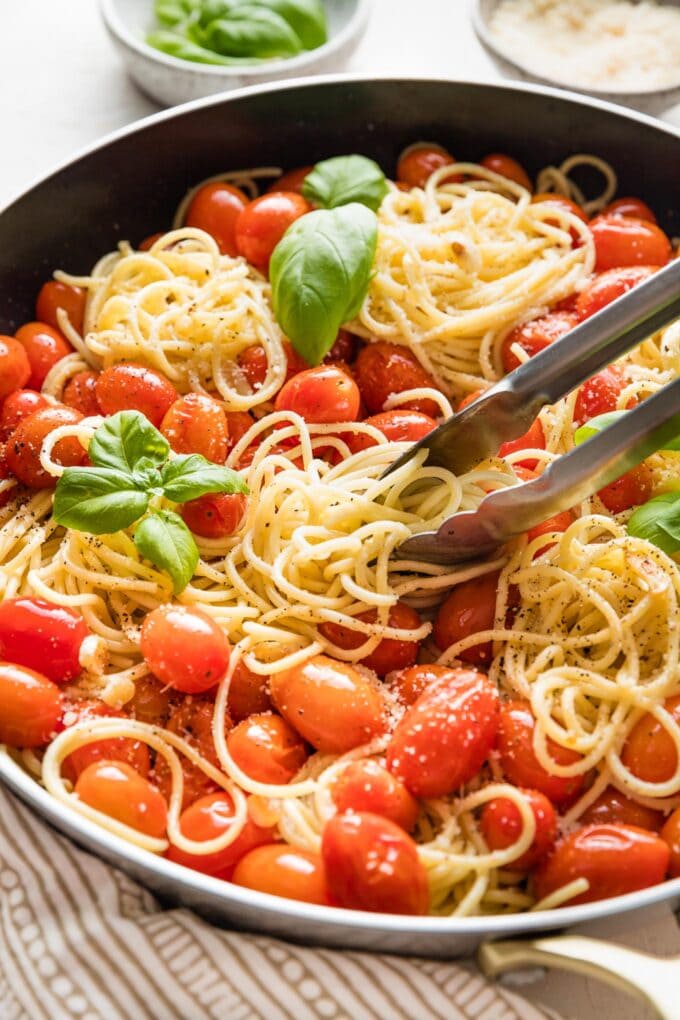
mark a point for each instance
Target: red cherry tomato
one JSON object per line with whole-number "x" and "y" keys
{"x": 615, "y": 859}
{"x": 329, "y": 703}
{"x": 196, "y": 423}
{"x": 670, "y": 834}
{"x": 216, "y": 208}
{"x": 131, "y": 387}
{"x": 419, "y": 161}
{"x": 535, "y": 335}
{"x": 15, "y": 368}
{"x": 391, "y": 653}
{"x": 253, "y": 361}
{"x": 609, "y": 286}
{"x": 501, "y": 825}
{"x": 286, "y": 871}
{"x": 614, "y": 806}
{"x": 559, "y": 522}
{"x": 367, "y": 786}
{"x": 267, "y": 749}
{"x": 291, "y": 181}
{"x": 468, "y": 609}
{"x": 149, "y": 241}
{"x": 184, "y": 648}
{"x": 17, "y": 406}
{"x": 649, "y": 751}
{"x": 383, "y": 369}
{"x": 80, "y": 392}
{"x": 151, "y": 701}
{"x": 44, "y": 346}
{"x": 31, "y": 707}
{"x": 344, "y": 348}
{"x": 442, "y": 741}
{"x": 215, "y": 515}
{"x": 116, "y": 790}
{"x": 397, "y": 426}
{"x": 264, "y": 221}
{"x": 207, "y": 819}
{"x": 600, "y": 394}
{"x": 564, "y": 204}
{"x": 43, "y": 636}
{"x": 409, "y": 684}
{"x": 533, "y": 439}
{"x": 508, "y": 167}
{"x": 520, "y": 764}
{"x": 55, "y": 295}
{"x": 192, "y": 720}
{"x": 248, "y": 693}
{"x": 320, "y": 395}
{"x": 372, "y": 864}
{"x": 631, "y": 489}
{"x": 624, "y": 241}
{"x": 238, "y": 423}
{"x": 133, "y": 753}
{"x": 567, "y": 304}
{"x": 627, "y": 206}
{"x": 469, "y": 399}
{"x": 25, "y": 443}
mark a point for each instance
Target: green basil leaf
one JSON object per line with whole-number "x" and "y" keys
{"x": 251, "y": 31}
{"x": 319, "y": 274}
{"x": 98, "y": 500}
{"x": 307, "y": 18}
{"x": 595, "y": 425}
{"x": 658, "y": 521}
{"x": 212, "y": 10}
{"x": 189, "y": 476}
{"x": 126, "y": 438}
{"x": 345, "y": 179}
{"x": 164, "y": 538}
{"x": 146, "y": 475}
{"x": 172, "y": 12}
{"x": 182, "y": 48}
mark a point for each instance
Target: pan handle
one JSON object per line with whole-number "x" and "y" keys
{"x": 651, "y": 979}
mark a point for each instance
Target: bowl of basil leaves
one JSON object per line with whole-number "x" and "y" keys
{"x": 177, "y": 50}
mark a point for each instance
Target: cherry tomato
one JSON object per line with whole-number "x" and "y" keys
{"x": 15, "y": 368}
{"x": 133, "y": 753}
{"x": 191, "y": 719}
{"x": 17, "y": 406}
{"x": 320, "y": 395}
{"x": 367, "y": 786}
{"x": 409, "y": 684}
{"x": 80, "y": 392}
{"x": 115, "y": 789}
{"x": 670, "y": 834}
{"x": 559, "y": 522}
{"x": 508, "y": 167}
{"x": 628, "y": 206}
{"x": 5, "y": 475}
{"x": 468, "y": 609}
{"x": 267, "y": 749}
{"x": 253, "y": 361}
{"x": 397, "y": 426}
{"x": 264, "y": 221}
{"x": 535, "y": 336}
{"x": 132, "y": 387}
{"x": 600, "y": 394}
{"x": 291, "y": 181}
{"x": 54, "y": 295}
{"x": 43, "y": 636}
{"x": 631, "y": 489}
{"x": 215, "y": 515}
{"x": 151, "y": 701}
{"x": 614, "y": 806}
{"x": 207, "y": 819}
{"x": 624, "y": 241}
{"x": 391, "y": 653}
{"x": 615, "y": 859}
{"x": 567, "y": 304}
{"x": 533, "y": 439}
{"x": 31, "y": 707}
{"x": 419, "y": 161}
{"x": 215, "y": 208}
{"x": 149, "y": 241}
{"x": 383, "y": 369}
{"x": 372, "y": 864}
{"x": 501, "y": 825}
{"x": 609, "y": 286}
{"x": 238, "y": 423}
{"x": 25, "y": 444}
{"x": 248, "y": 693}
{"x": 285, "y": 871}
{"x": 564, "y": 204}
{"x": 520, "y": 764}
{"x": 344, "y": 348}
{"x": 649, "y": 751}
{"x": 329, "y": 703}
{"x": 470, "y": 399}
{"x": 442, "y": 741}
{"x": 184, "y": 648}
{"x": 196, "y": 423}
{"x": 44, "y": 346}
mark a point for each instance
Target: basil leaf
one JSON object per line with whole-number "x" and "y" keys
{"x": 345, "y": 179}
{"x": 182, "y": 48}
{"x": 307, "y": 18}
{"x": 125, "y": 439}
{"x": 146, "y": 475}
{"x": 190, "y": 476}
{"x": 595, "y": 425}
{"x": 172, "y": 12}
{"x": 98, "y": 500}
{"x": 211, "y": 10}
{"x": 164, "y": 538}
{"x": 319, "y": 274}
{"x": 658, "y": 521}
{"x": 251, "y": 31}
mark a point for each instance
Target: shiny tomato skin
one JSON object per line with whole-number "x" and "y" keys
{"x": 535, "y": 336}
{"x": 629, "y": 206}
{"x": 520, "y": 764}
{"x": 214, "y": 515}
{"x": 558, "y": 522}
{"x": 409, "y": 684}
{"x": 614, "y": 806}
{"x": 149, "y": 241}
{"x": 631, "y": 489}
{"x": 442, "y": 741}
{"x": 469, "y": 399}
{"x": 508, "y": 167}
{"x": 419, "y": 161}
{"x": 238, "y": 423}
{"x": 216, "y": 208}
{"x": 649, "y": 751}
{"x": 151, "y": 701}
{"x": 615, "y": 859}
{"x": 264, "y": 221}
{"x": 248, "y": 693}
{"x": 17, "y": 406}
{"x": 25, "y": 443}
{"x": 391, "y": 653}
{"x": 320, "y": 395}
{"x": 44, "y": 346}
{"x": 670, "y": 834}
{"x": 195, "y": 423}
{"x": 283, "y": 870}
{"x": 208, "y": 818}
{"x": 367, "y": 786}
{"x": 15, "y": 368}
{"x": 292, "y": 180}
{"x": 329, "y": 703}
{"x": 132, "y": 387}
{"x": 54, "y": 295}
{"x": 608, "y": 286}
{"x": 533, "y": 439}
{"x": 267, "y": 749}
{"x": 625, "y": 241}
{"x": 191, "y": 719}
{"x": 567, "y": 205}
{"x": 184, "y": 648}
{"x": 80, "y": 392}
{"x": 116, "y": 790}
{"x": 372, "y": 864}
{"x": 31, "y": 707}
{"x": 468, "y": 609}
{"x": 397, "y": 426}
{"x": 344, "y": 347}
{"x": 134, "y": 753}
{"x": 383, "y": 369}
{"x": 501, "y": 826}
{"x": 599, "y": 394}
{"x": 43, "y": 636}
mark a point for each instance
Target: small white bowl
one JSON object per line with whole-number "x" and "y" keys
{"x": 170, "y": 81}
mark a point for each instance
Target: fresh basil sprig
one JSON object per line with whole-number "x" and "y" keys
{"x": 131, "y": 472}
{"x": 345, "y": 179}
{"x": 603, "y": 421}
{"x": 658, "y": 521}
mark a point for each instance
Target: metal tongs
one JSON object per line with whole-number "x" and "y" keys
{"x": 507, "y": 409}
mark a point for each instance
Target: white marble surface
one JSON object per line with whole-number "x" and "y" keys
{"x": 62, "y": 87}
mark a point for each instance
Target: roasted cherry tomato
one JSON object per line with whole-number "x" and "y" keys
{"x": 151, "y": 701}
{"x": 372, "y": 864}
{"x": 196, "y": 423}
{"x": 533, "y": 439}
{"x": 344, "y": 348}
{"x": 133, "y": 753}
{"x": 43, "y": 636}
{"x": 132, "y": 387}
{"x": 215, "y": 208}
{"x": 329, "y": 703}
{"x": 468, "y": 609}
{"x": 55, "y": 295}
{"x": 264, "y": 221}
{"x": 409, "y": 684}
{"x": 443, "y": 739}
{"x": 397, "y": 426}
{"x": 248, "y": 693}
{"x": 292, "y": 180}
{"x": 24, "y": 446}
{"x": 238, "y": 423}
{"x": 17, "y": 406}
{"x": 15, "y": 368}
{"x": 267, "y": 749}
{"x": 624, "y": 241}
{"x": 44, "y": 346}
{"x": 470, "y": 399}
{"x": 518, "y": 758}
{"x": 391, "y": 653}
{"x": 149, "y": 241}
{"x": 501, "y": 825}
{"x": 631, "y": 489}
{"x": 535, "y": 336}
{"x": 215, "y": 515}
{"x": 253, "y": 361}
{"x": 116, "y": 790}
{"x": 283, "y": 870}
{"x": 192, "y": 720}
{"x": 564, "y": 204}
{"x": 600, "y": 394}
{"x": 615, "y": 859}
{"x": 670, "y": 834}
{"x": 207, "y": 819}
{"x": 184, "y": 648}
{"x": 419, "y": 161}
{"x": 614, "y": 806}
{"x": 609, "y": 286}
{"x": 367, "y": 786}
{"x": 649, "y": 751}
{"x": 321, "y": 395}
{"x": 383, "y": 369}
{"x": 559, "y": 522}
{"x": 508, "y": 167}
{"x": 80, "y": 392}
{"x": 31, "y": 707}
{"x": 628, "y": 206}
